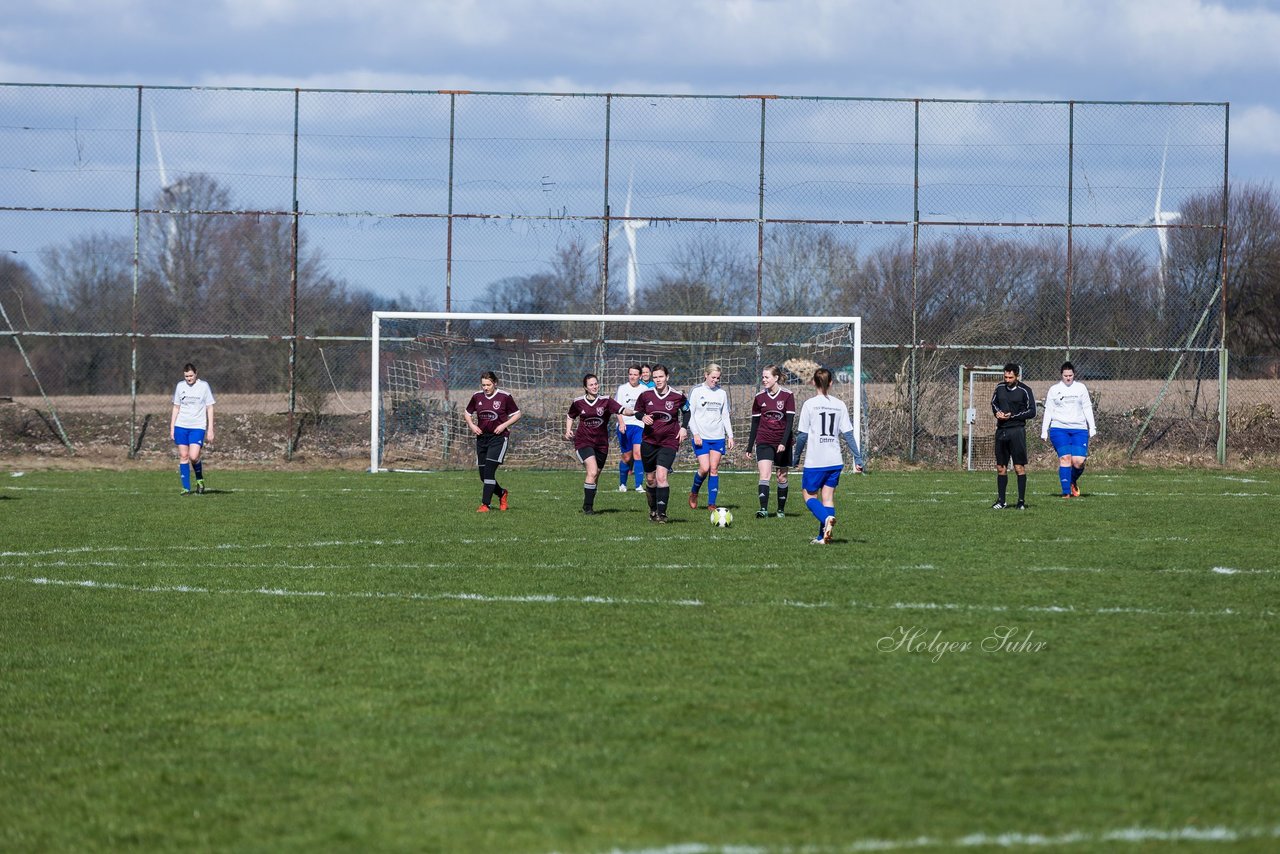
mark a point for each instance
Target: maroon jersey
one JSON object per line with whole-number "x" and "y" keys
{"x": 491, "y": 411}
{"x": 772, "y": 411}
{"x": 665, "y": 429}
{"x": 593, "y": 421}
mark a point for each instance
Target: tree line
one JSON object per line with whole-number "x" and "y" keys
{"x": 210, "y": 275}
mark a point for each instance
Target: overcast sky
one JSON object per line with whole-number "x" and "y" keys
{"x": 1179, "y": 50}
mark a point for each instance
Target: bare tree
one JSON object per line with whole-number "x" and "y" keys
{"x": 1253, "y": 269}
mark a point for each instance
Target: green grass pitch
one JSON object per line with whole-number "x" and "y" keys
{"x": 346, "y": 661}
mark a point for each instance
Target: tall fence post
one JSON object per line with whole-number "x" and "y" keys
{"x": 291, "y": 445}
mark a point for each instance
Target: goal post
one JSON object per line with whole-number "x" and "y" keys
{"x": 425, "y": 366}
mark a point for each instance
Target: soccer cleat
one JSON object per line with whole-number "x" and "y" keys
{"x": 662, "y": 519}
{"x": 483, "y": 508}
{"x": 693, "y": 501}
{"x": 502, "y": 502}
{"x": 999, "y": 505}
{"x": 587, "y": 511}
{"x": 622, "y": 487}
{"x": 1066, "y": 495}
{"x": 185, "y": 492}
{"x": 200, "y": 487}
{"x": 1075, "y": 491}
{"x": 817, "y": 541}
{"x": 1022, "y": 506}
{"x": 710, "y": 507}
{"x": 781, "y": 515}
{"x": 828, "y": 528}
{"x": 762, "y": 514}
{"x": 653, "y": 515}
{"x": 639, "y": 489}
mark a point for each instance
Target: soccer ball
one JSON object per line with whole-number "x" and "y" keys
{"x": 721, "y": 517}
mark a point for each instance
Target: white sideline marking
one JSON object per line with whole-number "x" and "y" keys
{"x": 1229, "y": 570}
{"x": 219, "y": 546}
{"x": 553, "y": 598}
{"x": 976, "y": 840}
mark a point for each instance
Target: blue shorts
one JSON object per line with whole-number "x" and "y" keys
{"x": 815, "y": 479}
{"x": 707, "y": 446}
{"x": 188, "y": 436}
{"x": 1068, "y": 442}
{"x": 633, "y": 435}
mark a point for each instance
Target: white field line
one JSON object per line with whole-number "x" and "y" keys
{"x": 20, "y": 560}
{"x": 219, "y": 547}
{"x": 553, "y": 598}
{"x": 1136, "y": 835}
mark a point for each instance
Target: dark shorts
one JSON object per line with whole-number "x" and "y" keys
{"x": 657, "y": 455}
{"x": 491, "y": 447}
{"x": 780, "y": 459}
{"x": 1011, "y": 445}
{"x": 601, "y": 454}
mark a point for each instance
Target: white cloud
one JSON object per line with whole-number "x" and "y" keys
{"x": 1255, "y": 130}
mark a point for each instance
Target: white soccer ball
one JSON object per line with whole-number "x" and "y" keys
{"x": 721, "y": 517}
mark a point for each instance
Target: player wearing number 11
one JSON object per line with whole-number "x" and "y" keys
{"x": 824, "y": 422}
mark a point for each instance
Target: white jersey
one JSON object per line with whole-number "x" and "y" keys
{"x": 191, "y": 401}
{"x": 709, "y": 412}
{"x": 627, "y": 394}
{"x": 825, "y": 419}
{"x": 1067, "y": 406}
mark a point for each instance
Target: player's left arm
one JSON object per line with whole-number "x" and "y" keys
{"x": 728, "y": 427}
{"x": 859, "y": 461}
{"x": 1087, "y": 403}
{"x": 208, "y": 433}
{"x": 506, "y": 425}
{"x": 1028, "y": 410}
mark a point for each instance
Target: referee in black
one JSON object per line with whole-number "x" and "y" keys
{"x": 1013, "y": 404}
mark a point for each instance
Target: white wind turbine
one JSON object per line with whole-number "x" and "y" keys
{"x": 169, "y": 193}
{"x": 629, "y": 227}
{"x": 1161, "y": 219}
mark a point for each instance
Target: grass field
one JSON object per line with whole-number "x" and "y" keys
{"x": 350, "y": 661}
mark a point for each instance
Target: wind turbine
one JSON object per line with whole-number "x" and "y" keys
{"x": 629, "y": 227}
{"x": 1161, "y": 219}
{"x": 169, "y": 192}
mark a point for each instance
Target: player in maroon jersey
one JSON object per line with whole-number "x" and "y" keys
{"x": 591, "y": 440}
{"x": 490, "y": 414}
{"x": 773, "y": 415}
{"x": 665, "y": 413}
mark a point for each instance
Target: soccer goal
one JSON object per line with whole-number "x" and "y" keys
{"x": 426, "y": 365}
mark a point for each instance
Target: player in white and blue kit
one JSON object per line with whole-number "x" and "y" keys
{"x": 630, "y": 430}
{"x": 191, "y": 425}
{"x": 1068, "y": 423}
{"x": 710, "y": 434}
{"x": 824, "y": 422}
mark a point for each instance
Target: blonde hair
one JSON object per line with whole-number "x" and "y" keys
{"x": 712, "y": 368}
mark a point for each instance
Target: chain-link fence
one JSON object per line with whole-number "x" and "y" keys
{"x": 252, "y": 231}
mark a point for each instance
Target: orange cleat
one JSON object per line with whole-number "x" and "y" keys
{"x": 483, "y": 508}
{"x": 502, "y": 502}
{"x": 693, "y": 501}
{"x": 1075, "y": 491}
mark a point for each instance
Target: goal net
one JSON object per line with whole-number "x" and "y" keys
{"x": 426, "y": 366}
